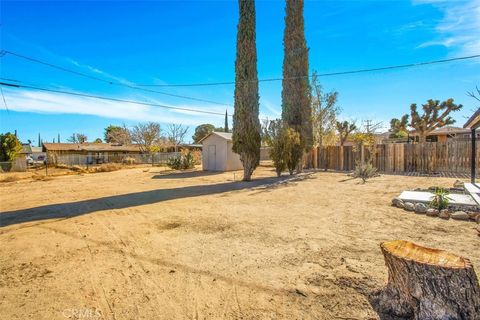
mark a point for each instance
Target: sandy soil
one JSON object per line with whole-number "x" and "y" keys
{"x": 132, "y": 244}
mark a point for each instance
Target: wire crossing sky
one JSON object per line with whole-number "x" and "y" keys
{"x": 368, "y": 51}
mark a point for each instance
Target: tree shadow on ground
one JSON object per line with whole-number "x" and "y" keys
{"x": 77, "y": 208}
{"x": 186, "y": 174}
{"x": 372, "y": 291}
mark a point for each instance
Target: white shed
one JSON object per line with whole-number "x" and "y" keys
{"x": 217, "y": 153}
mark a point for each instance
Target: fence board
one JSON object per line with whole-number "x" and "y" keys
{"x": 428, "y": 157}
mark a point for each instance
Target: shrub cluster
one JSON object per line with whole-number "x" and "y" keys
{"x": 186, "y": 160}
{"x": 364, "y": 171}
{"x": 287, "y": 149}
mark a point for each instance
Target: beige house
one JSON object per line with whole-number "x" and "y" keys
{"x": 91, "y": 153}
{"x": 217, "y": 153}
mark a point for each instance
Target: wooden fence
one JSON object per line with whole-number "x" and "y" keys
{"x": 451, "y": 157}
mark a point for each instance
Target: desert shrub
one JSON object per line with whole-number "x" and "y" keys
{"x": 128, "y": 160}
{"x": 5, "y": 166}
{"x": 364, "y": 171}
{"x": 77, "y": 169}
{"x": 286, "y": 150}
{"x": 197, "y": 156}
{"x": 440, "y": 199}
{"x": 185, "y": 160}
{"x": 294, "y": 149}
{"x": 108, "y": 167}
{"x": 12, "y": 178}
{"x": 38, "y": 177}
{"x": 10, "y": 147}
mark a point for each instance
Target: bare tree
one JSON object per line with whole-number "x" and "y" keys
{"x": 176, "y": 134}
{"x": 474, "y": 95}
{"x": 324, "y": 113}
{"x": 147, "y": 136}
{"x": 77, "y": 138}
{"x": 118, "y": 135}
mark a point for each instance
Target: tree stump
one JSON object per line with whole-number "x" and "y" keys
{"x": 428, "y": 284}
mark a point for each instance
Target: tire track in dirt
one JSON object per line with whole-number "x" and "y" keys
{"x": 137, "y": 266}
{"x": 94, "y": 274}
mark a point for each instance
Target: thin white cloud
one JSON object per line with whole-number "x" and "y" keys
{"x": 100, "y": 72}
{"x": 459, "y": 29}
{"x": 55, "y": 103}
{"x": 272, "y": 110}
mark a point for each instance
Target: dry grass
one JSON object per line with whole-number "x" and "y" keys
{"x": 108, "y": 167}
{"x": 10, "y": 178}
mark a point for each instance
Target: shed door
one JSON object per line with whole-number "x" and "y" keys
{"x": 211, "y": 157}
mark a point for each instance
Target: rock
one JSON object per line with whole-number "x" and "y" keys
{"x": 421, "y": 208}
{"x": 460, "y": 215}
{"x": 444, "y": 214}
{"x": 458, "y": 184}
{"x": 431, "y": 212}
{"x": 473, "y": 215}
{"x": 397, "y": 202}
{"x": 409, "y": 206}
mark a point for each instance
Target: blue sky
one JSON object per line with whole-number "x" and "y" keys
{"x": 160, "y": 42}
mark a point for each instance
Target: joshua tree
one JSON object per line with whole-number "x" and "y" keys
{"x": 398, "y": 127}
{"x": 296, "y": 107}
{"x": 435, "y": 115}
{"x": 344, "y": 130}
{"x": 246, "y": 125}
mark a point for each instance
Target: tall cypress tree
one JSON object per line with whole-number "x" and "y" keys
{"x": 226, "y": 121}
{"x": 296, "y": 94}
{"x": 246, "y": 125}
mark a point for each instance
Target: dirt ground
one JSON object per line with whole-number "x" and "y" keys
{"x": 143, "y": 244}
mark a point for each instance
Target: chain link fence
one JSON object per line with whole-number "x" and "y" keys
{"x": 86, "y": 160}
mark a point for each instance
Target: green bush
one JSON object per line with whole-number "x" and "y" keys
{"x": 364, "y": 171}
{"x": 186, "y": 160}
{"x": 286, "y": 149}
{"x": 440, "y": 200}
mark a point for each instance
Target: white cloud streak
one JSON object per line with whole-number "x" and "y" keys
{"x": 56, "y": 103}
{"x": 459, "y": 30}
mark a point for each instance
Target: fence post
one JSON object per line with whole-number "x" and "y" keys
{"x": 473, "y": 157}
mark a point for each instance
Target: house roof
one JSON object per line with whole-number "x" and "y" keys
{"x": 224, "y": 135}
{"x": 445, "y": 130}
{"x": 474, "y": 121}
{"x": 93, "y": 147}
{"x": 26, "y": 149}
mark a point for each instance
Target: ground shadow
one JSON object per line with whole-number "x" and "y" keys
{"x": 185, "y": 175}
{"x": 73, "y": 209}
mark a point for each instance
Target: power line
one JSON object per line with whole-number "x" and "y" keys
{"x": 4, "y": 101}
{"x": 4, "y": 52}
{"x": 402, "y": 66}
{"x": 15, "y": 85}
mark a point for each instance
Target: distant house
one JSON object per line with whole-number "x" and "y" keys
{"x": 89, "y": 152}
{"x": 444, "y": 134}
{"x": 447, "y": 133}
{"x": 217, "y": 153}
